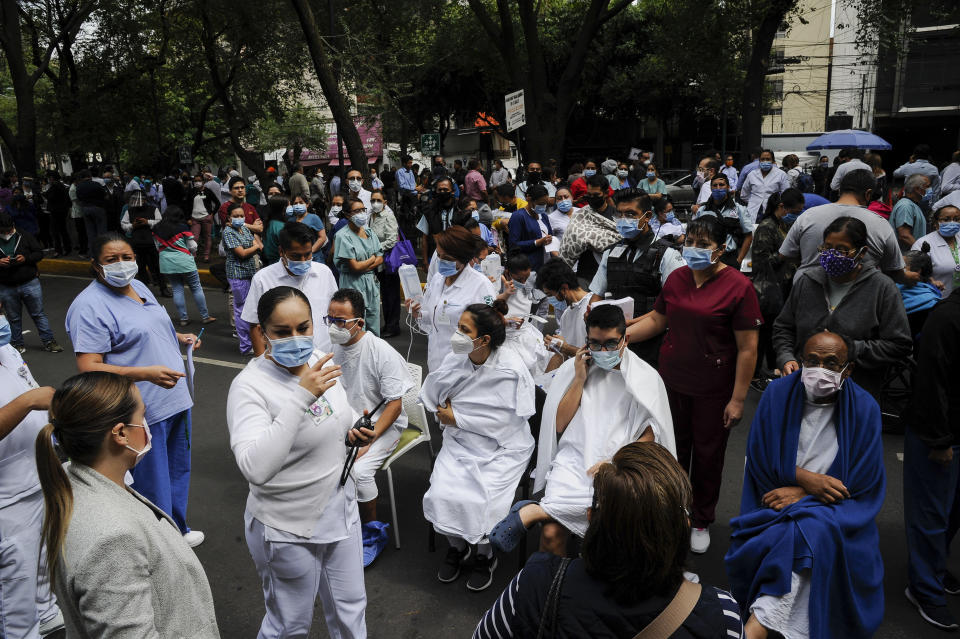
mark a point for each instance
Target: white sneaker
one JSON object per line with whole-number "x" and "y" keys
{"x": 699, "y": 540}
{"x": 195, "y": 537}
{"x": 51, "y": 625}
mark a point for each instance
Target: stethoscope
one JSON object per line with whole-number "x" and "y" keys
{"x": 355, "y": 446}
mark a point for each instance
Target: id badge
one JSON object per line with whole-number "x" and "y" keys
{"x": 443, "y": 319}
{"x": 320, "y": 410}
{"x": 617, "y": 251}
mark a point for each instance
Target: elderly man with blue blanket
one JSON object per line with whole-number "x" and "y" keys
{"x": 804, "y": 559}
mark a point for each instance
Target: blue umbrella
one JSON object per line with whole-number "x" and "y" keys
{"x": 849, "y": 138}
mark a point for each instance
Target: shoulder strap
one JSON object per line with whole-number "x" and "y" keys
{"x": 673, "y": 616}
{"x": 548, "y": 620}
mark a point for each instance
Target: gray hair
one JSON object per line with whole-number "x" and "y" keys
{"x": 914, "y": 181}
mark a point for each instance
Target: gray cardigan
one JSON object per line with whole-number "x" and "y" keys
{"x": 126, "y": 570}
{"x": 871, "y": 314}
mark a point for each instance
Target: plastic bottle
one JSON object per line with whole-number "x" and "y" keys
{"x": 410, "y": 281}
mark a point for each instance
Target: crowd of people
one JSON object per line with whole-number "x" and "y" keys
{"x": 579, "y": 330}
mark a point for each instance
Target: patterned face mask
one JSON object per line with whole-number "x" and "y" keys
{"x": 836, "y": 264}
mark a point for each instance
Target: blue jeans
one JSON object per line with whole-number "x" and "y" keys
{"x": 931, "y": 513}
{"x": 163, "y": 475}
{"x": 30, "y": 295}
{"x": 177, "y": 282}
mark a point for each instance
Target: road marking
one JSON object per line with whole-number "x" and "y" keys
{"x": 216, "y": 362}
{"x": 90, "y": 279}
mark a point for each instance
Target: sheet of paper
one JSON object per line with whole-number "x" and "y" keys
{"x": 190, "y": 369}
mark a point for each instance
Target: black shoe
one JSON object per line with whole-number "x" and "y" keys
{"x": 481, "y": 576}
{"x": 52, "y": 347}
{"x": 20, "y": 348}
{"x": 392, "y": 332}
{"x": 951, "y": 585}
{"x": 450, "y": 569}
{"x": 165, "y": 291}
{"x": 939, "y": 616}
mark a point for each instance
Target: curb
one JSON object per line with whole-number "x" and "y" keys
{"x": 81, "y": 268}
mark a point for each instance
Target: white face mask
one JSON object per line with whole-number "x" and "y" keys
{"x": 821, "y": 382}
{"x": 6, "y": 237}
{"x": 119, "y": 274}
{"x": 339, "y": 335}
{"x": 461, "y": 344}
{"x": 376, "y": 206}
{"x": 354, "y": 185}
{"x": 147, "y": 447}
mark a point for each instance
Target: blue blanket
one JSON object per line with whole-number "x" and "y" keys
{"x": 838, "y": 543}
{"x": 919, "y": 297}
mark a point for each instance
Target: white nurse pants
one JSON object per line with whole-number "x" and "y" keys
{"x": 25, "y": 597}
{"x": 294, "y": 574}
{"x": 366, "y": 467}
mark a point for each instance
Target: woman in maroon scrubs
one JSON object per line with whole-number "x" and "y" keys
{"x": 706, "y": 360}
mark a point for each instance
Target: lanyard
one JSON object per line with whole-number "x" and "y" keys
{"x": 956, "y": 261}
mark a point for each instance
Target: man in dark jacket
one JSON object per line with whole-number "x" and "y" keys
{"x": 20, "y": 284}
{"x": 58, "y": 203}
{"x": 93, "y": 199}
{"x": 931, "y": 465}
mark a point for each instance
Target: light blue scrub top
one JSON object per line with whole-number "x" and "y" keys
{"x": 126, "y": 333}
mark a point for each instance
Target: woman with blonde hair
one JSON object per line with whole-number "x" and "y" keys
{"x": 118, "y": 564}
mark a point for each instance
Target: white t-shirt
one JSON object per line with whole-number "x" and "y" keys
{"x": 18, "y": 466}
{"x": 817, "y": 446}
{"x": 373, "y": 371}
{"x": 318, "y": 285}
{"x": 442, "y": 306}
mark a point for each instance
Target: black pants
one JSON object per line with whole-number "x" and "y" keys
{"x": 44, "y": 224}
{"x": 61, "y": 233}
{"x": 766, "y": 356}
{"x": 390, "y": 299}
{"x": 148, "y": 264}
{"x": 81, "y": 227}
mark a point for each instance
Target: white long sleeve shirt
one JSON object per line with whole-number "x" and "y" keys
{"x": 289, "y": 446}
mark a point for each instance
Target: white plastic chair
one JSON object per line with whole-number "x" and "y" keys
{"x": 416, "y": 432}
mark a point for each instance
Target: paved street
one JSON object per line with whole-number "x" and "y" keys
{"x": 404, "y": 597}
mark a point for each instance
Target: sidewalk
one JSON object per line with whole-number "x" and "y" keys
{"x": 80, "y": 267}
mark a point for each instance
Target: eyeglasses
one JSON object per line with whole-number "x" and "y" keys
{"x": 342, "y": 323}
{"x": 830, "y": 363}
{"x": 829, "y": 249}
{"x": 609, "y": 345}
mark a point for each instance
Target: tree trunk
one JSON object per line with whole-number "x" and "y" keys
{"x": 752, "y": 101}
{"x": 331, "y": 90}
{"x": 23, "y": 143}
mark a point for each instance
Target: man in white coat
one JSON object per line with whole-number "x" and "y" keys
{"x": 603, "y": 399}
{"x": 374, "y": 376}
{"x": 762, "y": 183}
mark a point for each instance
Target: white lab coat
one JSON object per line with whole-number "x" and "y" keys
{"x": 442, "y": 306}
{"x": 528, "y": 342}
{"x": 943, "y": 263}
{"x": 484, "y": 456}
{"x": 615, "y": 409}
{"x": 757, "y": 189}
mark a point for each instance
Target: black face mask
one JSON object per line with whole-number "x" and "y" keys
{"x": 596, "y": 202}
{"x": 445, "y": 198}
{"x": 533, "y": 177}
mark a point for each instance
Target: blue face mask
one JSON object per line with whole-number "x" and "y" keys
{"x": 298, "y": 268}
{"x": 559, "y": 306}
{"x": 927, "y": 196}
{"x": 540, "y": 209}
{"x": 766, "y": 166}
{"x": 289, "y": 211}
{"x": 697, "y": 259}
{"x": 719, "y": 194}
{"x": 236, "y": 222}
{"x": 564, "y": 206}
{"x": 790, "y": 218}
{"x": 651, "y": 174}
{"x": 291, "y": 351}
{"x": 949, "y": 229}
{"x": 477, "y": 268}
{"x": 607, "y": 360}
{"x": 628, "y": 227}
{"x": 447, "y": 268}
{"x": 671, "y": 218}
{"x": 475, "y": 214}
{"x": 589, "y": 172}
{"x": 299, "y": 209}
{"x": 4, "y": 331}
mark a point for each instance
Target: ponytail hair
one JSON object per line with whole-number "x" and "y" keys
{"x": 82, "y": 412}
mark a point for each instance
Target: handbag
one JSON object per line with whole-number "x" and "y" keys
{"x": 401, "y": 253}
{"x": 548, "y": 620}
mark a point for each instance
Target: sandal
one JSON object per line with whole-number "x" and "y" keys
{"x": 510, "y": 530}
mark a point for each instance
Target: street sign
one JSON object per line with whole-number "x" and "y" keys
{"x": 516, "y": 115}
{"x": 185, "y": 156}
{"x": 430, "y": 143}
